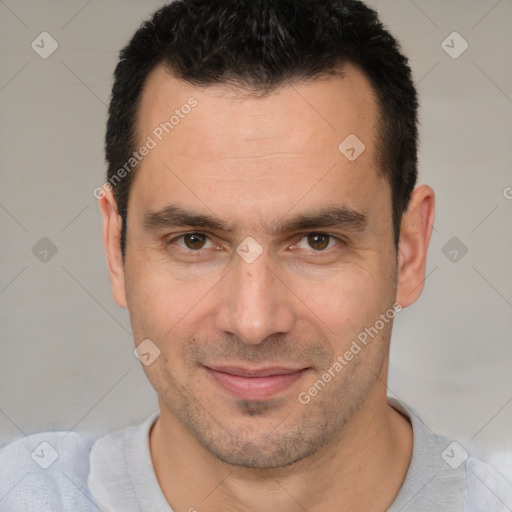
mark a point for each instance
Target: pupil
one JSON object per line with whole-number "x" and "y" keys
{"x": 194, "y": 241}
{"x": 318, "y": 241}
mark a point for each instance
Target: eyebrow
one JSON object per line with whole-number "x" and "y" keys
{"x": 173, "y": 216}
{"x": 340, "y": 217}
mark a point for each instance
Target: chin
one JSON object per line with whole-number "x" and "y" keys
{"x": 252, "y": 456}
{"x": 263, "y": 450}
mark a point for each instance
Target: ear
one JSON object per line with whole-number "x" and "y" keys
{"x": 111, "y": 231}
{"x": 415, "y": 232}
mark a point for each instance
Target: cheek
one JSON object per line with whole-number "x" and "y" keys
{"x": 157, "y": 302}
{"x": 347, "y": 297}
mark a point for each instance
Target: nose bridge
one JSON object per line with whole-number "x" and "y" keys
{"x": 256, "y": 304}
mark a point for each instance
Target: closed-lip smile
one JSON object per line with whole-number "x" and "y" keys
{"x": 254, "y": 383}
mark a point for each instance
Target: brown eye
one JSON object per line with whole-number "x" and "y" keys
{"x": 194, "y": 241}
{"x": 318, "y": 241}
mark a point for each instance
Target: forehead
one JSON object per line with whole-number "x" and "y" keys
{"x": 329, "y": 106}
{"x": 250, "y": 148}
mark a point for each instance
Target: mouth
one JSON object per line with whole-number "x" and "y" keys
{"x": 254, "y": 383}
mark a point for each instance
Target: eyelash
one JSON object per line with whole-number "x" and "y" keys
{"x": 339, "y": 241}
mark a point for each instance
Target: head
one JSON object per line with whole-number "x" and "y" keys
{"x": 266, "y": 215}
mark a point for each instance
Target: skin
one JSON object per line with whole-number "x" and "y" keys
{"x": 252, "y": 162}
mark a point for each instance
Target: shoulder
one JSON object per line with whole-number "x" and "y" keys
{"x": 442, "y": 475}
{"x": 122, "y": 475}
{"x": 487, "y": 488}
{"x": 45, "y": 472}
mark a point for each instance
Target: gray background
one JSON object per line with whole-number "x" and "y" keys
{"x": 66, "y": 350}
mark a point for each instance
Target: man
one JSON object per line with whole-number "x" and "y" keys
{"x": 263, "y": 228}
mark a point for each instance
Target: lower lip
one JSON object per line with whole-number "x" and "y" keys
{"x": 255, "y": 388}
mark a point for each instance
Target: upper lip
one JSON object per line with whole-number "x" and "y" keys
{"x": 255, "y": 372}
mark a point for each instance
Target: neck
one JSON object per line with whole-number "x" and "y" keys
{"x": 371, "y": 453}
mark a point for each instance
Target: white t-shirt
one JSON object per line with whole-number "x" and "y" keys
{"x": 59, "y": 471}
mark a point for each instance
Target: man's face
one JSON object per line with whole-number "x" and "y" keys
{"x": 260, "y": 168}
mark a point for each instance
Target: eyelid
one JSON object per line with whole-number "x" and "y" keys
{"x": 173, "y": 238}
{"x": 337, "y": 239}
{"x": 339, "y": 243}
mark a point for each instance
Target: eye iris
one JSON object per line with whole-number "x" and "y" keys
{"x": 194, "y": 240}
{"x": 318, "y": 241}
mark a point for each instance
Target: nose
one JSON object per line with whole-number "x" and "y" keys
{"x": 255, "y": 303}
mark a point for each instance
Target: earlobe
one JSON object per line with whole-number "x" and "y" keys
{"x": 415, "y": 233}
{"x": 111, "y": 233}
